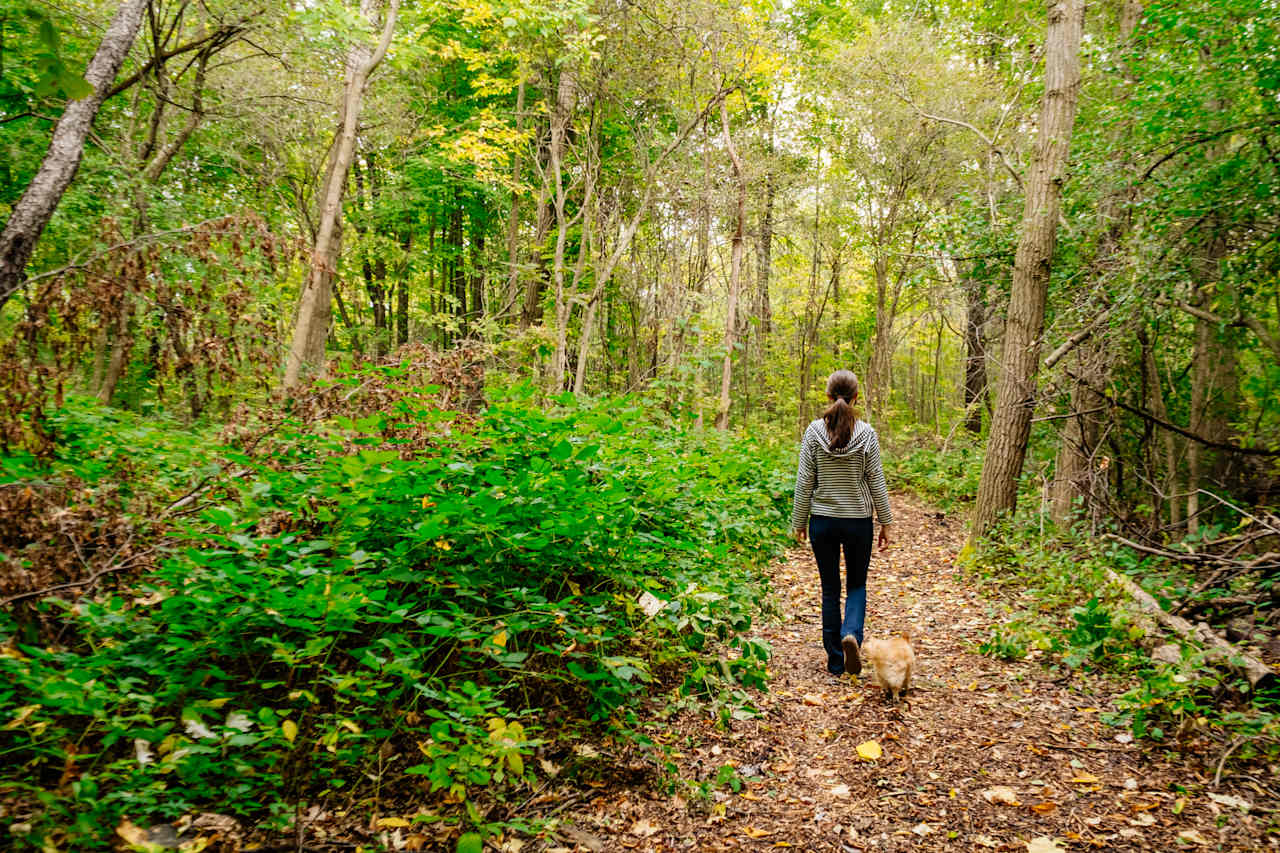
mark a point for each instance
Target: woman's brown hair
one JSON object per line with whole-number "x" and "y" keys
{"x": 842, "y": 389}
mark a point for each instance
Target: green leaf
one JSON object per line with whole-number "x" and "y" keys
{"x": 471, "y": 843}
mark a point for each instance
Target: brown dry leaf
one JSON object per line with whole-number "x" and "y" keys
{"x": 985, "y": 841}
{"x": 1043, "y": 808}
{"x": 1044, "y": 844}
{"x": 1001, "y": 795}
{"x": 752, "y": 832}
{"x": 643, "y": 828}
{"x": 811, "y": 699}
{"x": 840, "y": 791}
{"x": 869, "y": 750}
{"x": 1191, "y": 836}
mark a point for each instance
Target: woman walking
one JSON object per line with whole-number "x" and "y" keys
{"x": 839, "y": 482}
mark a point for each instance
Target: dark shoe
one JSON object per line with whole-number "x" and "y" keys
{"x": 852, "y": 662}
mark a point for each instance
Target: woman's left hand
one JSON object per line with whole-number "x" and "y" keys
{"x": 800, "y": 534}
{"x": 885, "y": 539}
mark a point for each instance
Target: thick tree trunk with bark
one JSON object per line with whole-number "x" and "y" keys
{"x": 315, "y": 306}
{"x": 33, "y": 211}
{"x": 1011, "y": 425}
{"x": 735, "y": 273}
{"x": 1072, "y": 473}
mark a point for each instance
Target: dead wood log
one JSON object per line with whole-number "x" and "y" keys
{"x": 1217, "y": 650}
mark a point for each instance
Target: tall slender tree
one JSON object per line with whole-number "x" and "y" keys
{"x": 1011, "y": 423}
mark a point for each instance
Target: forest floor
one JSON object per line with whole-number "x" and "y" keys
{"x": 981, "y": 753}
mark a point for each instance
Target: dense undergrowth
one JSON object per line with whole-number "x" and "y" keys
{"x": 347, "y": 622}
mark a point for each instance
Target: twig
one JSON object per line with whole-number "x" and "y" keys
{"x": 86, "y": 581}
{"x": 1226, "y": 753}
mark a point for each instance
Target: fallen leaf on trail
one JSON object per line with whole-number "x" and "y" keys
{"x": 1233, "y": 802}
{"x": 840, "y": 791}
{"x": 922, "y": 829}
{"x": 1192, "y": 837}
{"x": 985, "y": 841}
{"x": 1124, "y": 737}
{"x": 1043, "y": 808}
{"x": 811, "y": 699}
{"x": 547, "y": 767}
{"x": 869, "y": 750}
{"x": 1001, "y": 794}
{"x": 390, "y": 822}
{"x": 1086, "y": 779}
{"x": 1143, "y": 819}
{"x": 1179, "y": 804}
{"x": 752, "y": 832}
{"x": 643, "y": 828}
{"x": 1044, "y": 844}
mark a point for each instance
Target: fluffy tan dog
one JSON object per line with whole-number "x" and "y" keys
{"x": 893, "y": 660}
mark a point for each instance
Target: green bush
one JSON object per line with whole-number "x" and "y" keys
{"x": 346, "y": 599}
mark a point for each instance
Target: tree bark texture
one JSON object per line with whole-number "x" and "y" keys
{"x": 1011, "y": 424}
{"x": 735, "y": 273}
{"x": 562, "y": 112}
{"x": 976, "y": 397}
{"x": 315, "y": 306}
{"x": 1072, "y": 472}
{"x": 34, "y": 210}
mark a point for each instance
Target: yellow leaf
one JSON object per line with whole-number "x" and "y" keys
{"x": 869, "y": 750}
{"x": 500, "y": 639}
{"x": 351, "y": 727}
{"x": 290, "y": 730}
{"x": 390, "y": 822}
{"x": 752, "y": 832}
{"x": 1086, "y": 779}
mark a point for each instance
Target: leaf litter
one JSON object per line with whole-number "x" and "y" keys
{"x": 981, "y": 753}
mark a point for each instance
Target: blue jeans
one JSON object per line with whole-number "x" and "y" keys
{"x": 826, "y": 536}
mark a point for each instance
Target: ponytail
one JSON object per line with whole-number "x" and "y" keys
{"x": 840, "y": 417}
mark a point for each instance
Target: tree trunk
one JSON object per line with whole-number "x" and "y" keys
{"x": 735, "y": 272}
{"x": 1011, "y": 425}
{"x": 315, "y": 306}
{"x": 566, "y": 96}
{"x": 1072, "y": 480}
{"x": 764, "y": 308}
{"x": 33, "y": 211}
{"x": 1156, "y": 405}
{"x": 880, "y": 372}
{"x": 976, "y": 396}
{"x": 513, "y": 215}
{"x": 402, "y": 291}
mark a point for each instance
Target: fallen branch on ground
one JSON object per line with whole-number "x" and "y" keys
{"x": 1217, "y": 650}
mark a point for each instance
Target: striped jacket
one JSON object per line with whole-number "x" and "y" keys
{"x": 843, "y": 483}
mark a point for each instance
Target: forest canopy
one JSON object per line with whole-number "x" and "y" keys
{"x": 289, "y": 290}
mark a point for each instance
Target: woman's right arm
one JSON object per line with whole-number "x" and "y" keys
{"x": 804, "y": 487}
{"x": 875, "y": 482}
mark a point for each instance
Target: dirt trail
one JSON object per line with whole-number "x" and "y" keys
{"x": 983, "y": 754}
